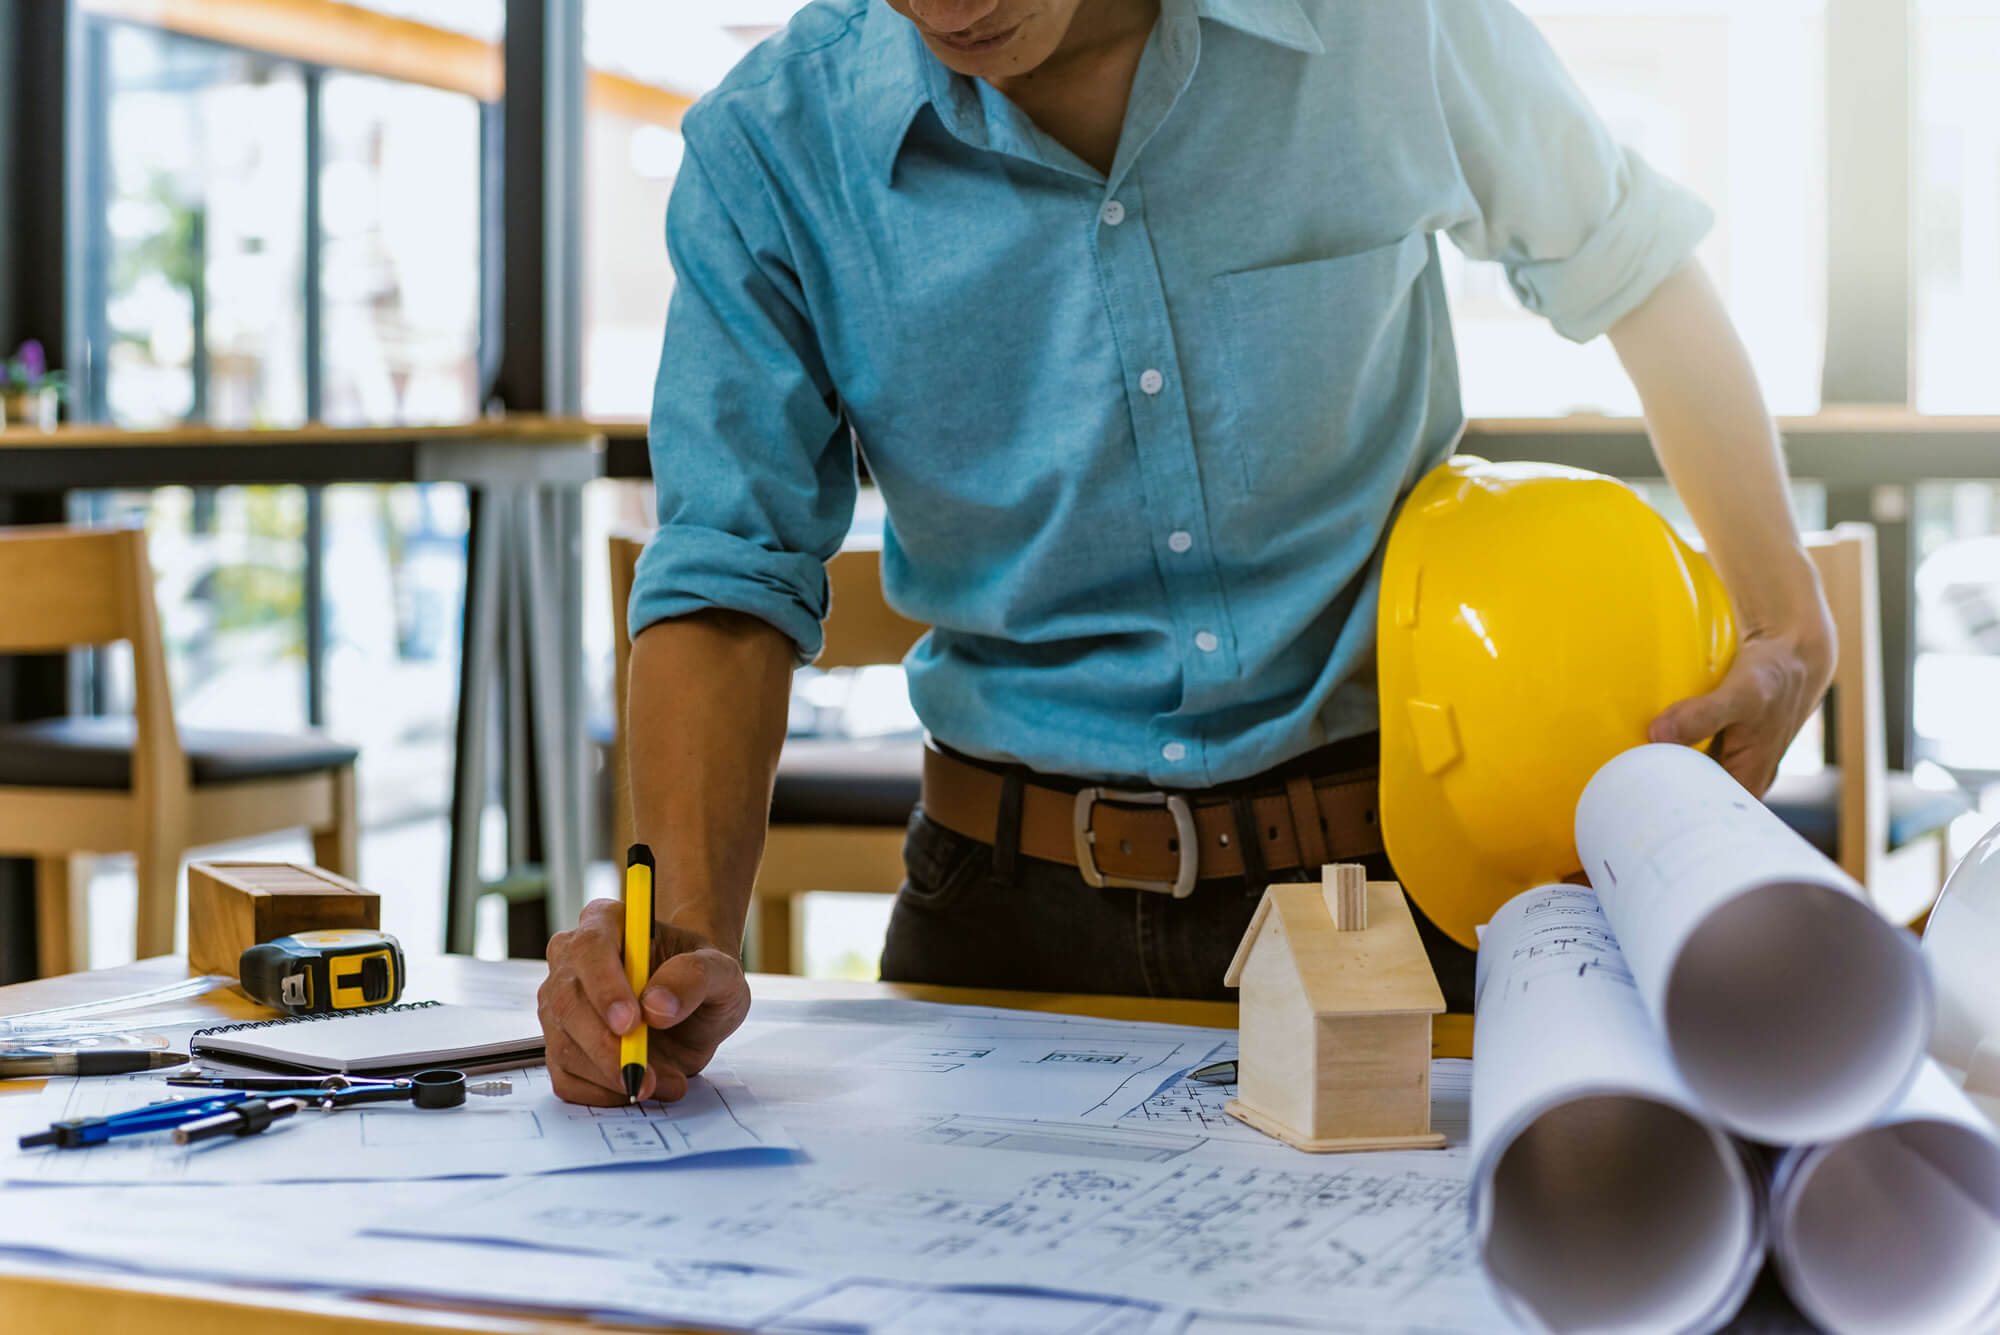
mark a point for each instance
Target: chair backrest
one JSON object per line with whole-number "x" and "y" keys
{"x": 861, "y": 628}
{"x": 67, "y": 587}
{"x": 1845, "y": 558}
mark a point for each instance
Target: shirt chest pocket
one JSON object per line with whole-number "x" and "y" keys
{"x": 1315, "y": 359}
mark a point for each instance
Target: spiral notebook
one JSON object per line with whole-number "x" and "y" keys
{"x": 379, "y": 1041}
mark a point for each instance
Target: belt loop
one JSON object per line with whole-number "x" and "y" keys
{"x": 1007, "y": 826}
{"x": 1251, "y": 837}
{"x": 1307, "y": 823}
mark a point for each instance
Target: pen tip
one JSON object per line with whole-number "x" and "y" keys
{"x": 635, "y": 1076}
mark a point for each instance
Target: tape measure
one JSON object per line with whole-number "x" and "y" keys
{"x": 317, "y": 973}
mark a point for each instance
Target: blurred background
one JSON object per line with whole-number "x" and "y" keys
{"x": 283, "y": 210}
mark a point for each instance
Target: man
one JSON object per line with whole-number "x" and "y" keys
{"x": 1134, "y": 309}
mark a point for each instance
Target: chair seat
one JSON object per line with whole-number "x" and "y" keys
{"x": 848, "y": 781}
{"x": 97, "y": 753}
{"x": 1810, "y": 804}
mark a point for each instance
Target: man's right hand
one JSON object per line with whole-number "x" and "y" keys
{"x": 695, "y": 997}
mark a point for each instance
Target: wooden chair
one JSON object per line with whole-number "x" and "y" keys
{"x": 72, "y": 786}
{"x": 841, "y": 805}
{"x": 1883, "y": 829}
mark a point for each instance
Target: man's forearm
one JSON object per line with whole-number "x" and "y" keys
{"x": 1717, "y": 443}
{"x": 707, "y": 716}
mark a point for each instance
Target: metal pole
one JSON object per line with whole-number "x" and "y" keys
{"x": 1870, "y": 133}
{"x": 312, "y": 594}
{"x": 1869, "y": 127}
{"x": 36, "y": 83}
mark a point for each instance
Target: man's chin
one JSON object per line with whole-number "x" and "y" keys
{"x": 1009, "y": 55}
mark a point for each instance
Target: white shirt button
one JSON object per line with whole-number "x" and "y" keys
{"x": 1113, "y": 213}
{"x": 1206, "y": 642}
{"x": 1174, "y": 751}
{"x": 1180, "y": 540}
{"x": 1151, "y": 381}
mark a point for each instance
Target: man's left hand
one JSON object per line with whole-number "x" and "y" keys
{"x": 1771, "y": 689}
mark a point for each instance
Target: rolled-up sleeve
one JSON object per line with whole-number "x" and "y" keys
{"x": 753, "y": 467}
{"x": 1584, "y": 227}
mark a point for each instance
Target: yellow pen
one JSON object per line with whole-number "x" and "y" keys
{"x": 638, "y": 960}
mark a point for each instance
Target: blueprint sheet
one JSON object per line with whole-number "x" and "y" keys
{"x": 303, "y": 1238}
{"x": 1173, "y": 1202}
{"x": 868, "y": 1058}
{"x": 1098, "y": 1193}
{"x": 253, "y": 1234}
{"x": 527, "y": 1131}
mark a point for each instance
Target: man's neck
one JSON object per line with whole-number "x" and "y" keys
{"x": 1078, "y": 95}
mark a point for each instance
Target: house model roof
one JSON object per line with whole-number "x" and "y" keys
{"x": 1380, "y": 969}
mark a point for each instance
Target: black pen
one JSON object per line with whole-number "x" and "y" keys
{"x": 20, "y": 1065}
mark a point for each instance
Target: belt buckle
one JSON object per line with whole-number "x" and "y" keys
{"x": 1086, "y": 852}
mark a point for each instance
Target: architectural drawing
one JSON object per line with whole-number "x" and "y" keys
{"x": 304, "y": 1237}
{"x": 1125, "y": 1141}
{"x": 527, "y": 1131}
{"x": 1565, "y": 934}
{"x": 1379, "y": 1238}
{"x": 1195, "y": 1106}
{"x": 1059, "y": 1069}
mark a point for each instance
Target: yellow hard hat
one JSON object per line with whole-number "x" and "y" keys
{"x": 1534, "y": 620}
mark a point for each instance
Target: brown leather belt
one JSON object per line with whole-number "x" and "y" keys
{"x": 1117, "y": 837}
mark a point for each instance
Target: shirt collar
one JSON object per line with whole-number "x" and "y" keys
{"x": 1279, "y": 21}
{"x": 899, "y": 76}
{"x": 896, "y": 80}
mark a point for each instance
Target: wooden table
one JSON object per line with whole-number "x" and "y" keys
{"x": 1845, "y": 448}
{"x": 48, "y": 1298}
{"x": 523, "y": 587}
{"x": 92, "y": 456}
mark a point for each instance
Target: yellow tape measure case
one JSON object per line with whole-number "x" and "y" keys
{"x": 319, "y": 973}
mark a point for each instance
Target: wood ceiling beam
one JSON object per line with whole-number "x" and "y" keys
{"x": 352, "y": 37}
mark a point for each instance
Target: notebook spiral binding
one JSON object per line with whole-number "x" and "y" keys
{"x": 308, "y": 1019}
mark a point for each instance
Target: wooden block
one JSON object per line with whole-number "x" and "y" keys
{"x": 234, "y": 905}
{"x": 1345, "y": 885}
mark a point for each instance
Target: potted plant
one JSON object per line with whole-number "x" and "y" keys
{"x": 30, "y": 393}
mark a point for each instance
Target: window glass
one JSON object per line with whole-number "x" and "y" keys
{"x": 1957, "y": 205}
{"x": 195, "y": 261}
{"x": 1725, "y": 97}
{"x": 193, "y": 277}
{"x": 1958, "y": 627}
{"x": 400, "y": 278}
{"x": 395, "y": 594}
{"x": 647, "y": 63}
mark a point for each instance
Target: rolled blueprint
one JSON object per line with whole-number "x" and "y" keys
{"x": 1895, "y": 1230}
{"x": 1961, "y": 943}
{"x": 1791, "y": 1008}
{"x": 1602, "y": 1199}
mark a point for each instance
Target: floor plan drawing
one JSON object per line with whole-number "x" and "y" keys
{"x": 1054, "y": 1070}
{"x": 528, "y": 1130}
{"x": 1381, "y": 1237}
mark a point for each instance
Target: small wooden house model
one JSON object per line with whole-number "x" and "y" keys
{"x": 1336, "y": 1006}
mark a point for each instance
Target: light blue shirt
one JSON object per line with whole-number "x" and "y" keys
{"x": 1140, "y": 436}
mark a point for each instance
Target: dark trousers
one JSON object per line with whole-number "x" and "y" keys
{"x": 959, "y": 921}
